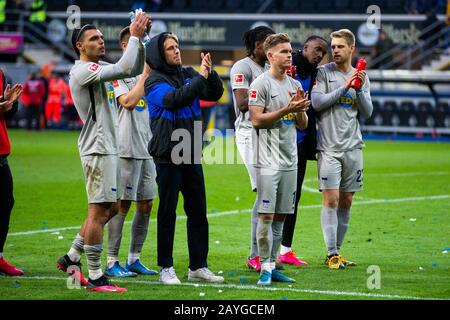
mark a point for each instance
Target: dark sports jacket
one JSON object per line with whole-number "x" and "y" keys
{"x": 304, "y": 71}
{"x": 173, "y": 95}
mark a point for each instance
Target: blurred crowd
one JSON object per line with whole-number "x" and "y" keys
{"x": 47, "y": 102}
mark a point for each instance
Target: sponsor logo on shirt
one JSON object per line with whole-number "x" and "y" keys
{"x": 115, "y": 84}
{"x": 252, "y": 95}
{"x": 111, "y": 95}
{"x": 288, "y": 119}
{"x": 238, "y": 78}
{"x": 346, "y": 101}
{"x": 141, "y": 105}
{"x": 93, "y": 67}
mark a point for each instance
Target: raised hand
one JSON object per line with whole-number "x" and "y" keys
{"x": 299, "y": 102}
{"x": 139, "y": 25}
{"x": 206, "y": 65}
{"x": 13, "y": 94}
{"x": 5, "y": 106}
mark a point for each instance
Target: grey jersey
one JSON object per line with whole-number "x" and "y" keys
{"x": 90, "y": 81}
{"x": 337, "y": 123}
{"x": 134, "y": 125}
{"x": 277, "y": 145}
{"x": 242, "y": 74}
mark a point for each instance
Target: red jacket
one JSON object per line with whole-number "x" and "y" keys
{"x": 33, "y": 92}
{"x": 5, "y": 146}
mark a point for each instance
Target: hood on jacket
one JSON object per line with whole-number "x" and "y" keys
{"x": 154, "y": 52}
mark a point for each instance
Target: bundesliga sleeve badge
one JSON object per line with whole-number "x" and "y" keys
{"x": 93, "y": 67}
{"x": 238, "y": 79}
{"x": 252, "y": 95}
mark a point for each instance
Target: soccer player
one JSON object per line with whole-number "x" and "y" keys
{"x": 137, "y": 172}
{"x": 306, "y": 62}
{"x": 8, "y": 106}
{"x": 339, "y": 142}
{"x": 93, "y": 95}
{"x": 242, "y": 75}
{"x": 277, "y": 104}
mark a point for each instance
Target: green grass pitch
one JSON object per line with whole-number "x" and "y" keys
{"x": 400, "y": 223}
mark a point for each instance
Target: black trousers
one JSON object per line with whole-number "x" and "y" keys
{"x": 291, "y": 219}
{"x": 33, "y": 112}
{"x": 6, "y": 199}
{"x": 187, "y": 179}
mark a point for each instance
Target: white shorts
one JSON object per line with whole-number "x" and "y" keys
{"x": 102, "y": 175}
{"x": 138, "y": 179}
{"x": 245, "y": 149}
{"x": 276, "y": 190}
{"x": 341, "y": 171}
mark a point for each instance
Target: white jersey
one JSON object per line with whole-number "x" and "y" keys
{"x": 277, "y": 145}
{"x": 134, "y": 125}
{"x": 337, "y": 117}
{"x": 93, "y": 95}
{"x": 242, "y": 74}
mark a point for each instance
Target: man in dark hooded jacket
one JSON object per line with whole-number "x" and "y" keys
{"x": 173, "y": 93}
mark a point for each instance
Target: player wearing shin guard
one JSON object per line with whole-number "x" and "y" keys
{"x": 242, "y": 75}
{"x": 137, "y": 172}
{"x": 93, "y": 94}
{"x": 277, "y": 105}
{"x": 338, "y": 101}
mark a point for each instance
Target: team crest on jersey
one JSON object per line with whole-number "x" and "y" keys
{"x": 252, "y": 95}
{"x": 93, "y": 67}
{"x": 238, "y": 78}
{"x": 346, "y": 101}
{"x": 115, "y": 84}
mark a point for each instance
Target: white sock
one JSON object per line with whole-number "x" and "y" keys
{"x": 272, "y": 266}
{"x": 266, "y": 266}
{"x": 1, "y": 255}
{"x": 285, "y": 250}
{"x": 95, "y": 274}
{"x": 74, "y": 255}
{"x": 132, "y": 257}
{"x": 110, "y": 261}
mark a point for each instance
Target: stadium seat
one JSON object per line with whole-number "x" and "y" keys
{"x": 425, "y": 115}
{"x": 288, "y": 6}
{"x": 395, "y": 6}
{"x": 179, "y": 5}
{"x": 232, "y": 5}
{"x": 57, "y": 5}
{"x": 357, "y": 7}
{"x": 342, "y": 6}
{"x": 388, "y": 111}
{"x": 442, "y": 115}
{"x": 408, "y": 117}
{"x": 325, "y": 7}
{"x": 252, "y": 6}
{"x": 206, "y": 6}
{"x": 306, "y": 6}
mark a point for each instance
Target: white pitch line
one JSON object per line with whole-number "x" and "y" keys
{"x": 232, "y": 212}
{"x": 254, "y": 287}
{"x": 403, "y": 174}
